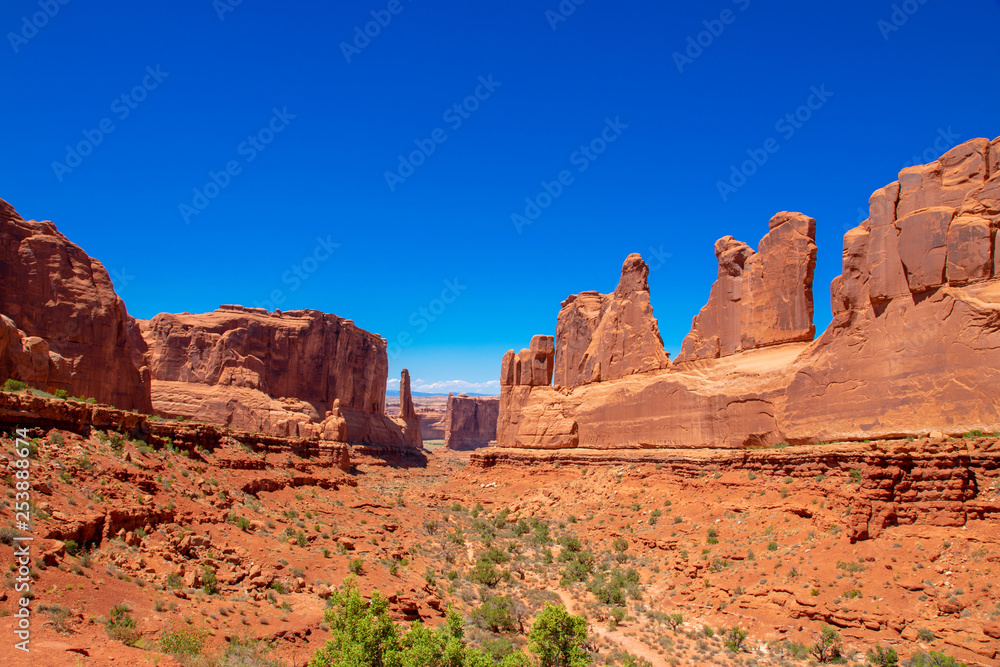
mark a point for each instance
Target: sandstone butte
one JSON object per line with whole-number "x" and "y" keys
{"x": 295, "y": 374}
{"x": 913, "y": 347}
{"x": 470, "y": 421}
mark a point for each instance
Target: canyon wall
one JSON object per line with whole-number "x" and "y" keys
{"x": 62, "y": 326}
{"x": 471, "y": 422}
{"x": 296, "y": 373}
{"x": 914, "y": 345}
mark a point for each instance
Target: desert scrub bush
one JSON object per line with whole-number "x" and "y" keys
{"x": 616, "y": 586}
{"x": 735, "y": 638}
{"x": 713, "y": 536}
{"x": 926, "y": 635}
{"x": 120, "y": 626}
{"x": 356, "y": 566}
{"x": 850, "y": 567}
{"x": 933, "y": 659}
{"x": 58, "y": 616}
{"x": 14, "y": 385}
{"x": 772, "y": 546}
{"x": 183, "y": 644}
{"x": 496, "y": 614}
{"x": 882, "y": 656}
{"x": 210, "y": 583}
{"x": 827, "y": 647}
{"x": 71, "y": 547}
{"x": 855, "y": 474}
{"x": 484, "y": 573}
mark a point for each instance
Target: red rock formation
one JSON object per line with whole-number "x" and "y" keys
{"x": 608, "y": 336}
{"x": 471, "y": 422}
{"x": 760, "y": 298}
{"x": 914, "y": 345}
{"x": 410, "y": 420}
{"x": 432, "y": 410}
{"x": 277, "y": 373}
{"x": 65, "y": 328}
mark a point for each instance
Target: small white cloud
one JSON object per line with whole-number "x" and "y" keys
{"x": 393, "y": 382}
{"x": 458, "y": 386}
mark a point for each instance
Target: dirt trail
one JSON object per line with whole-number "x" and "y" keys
{"x": 627, "y": 643}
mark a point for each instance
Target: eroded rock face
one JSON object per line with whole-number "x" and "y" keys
{"x": 408, "y": 417}
{"x": 277, "y": 373}
{"x": 760, "y": 298}
{"x": 65, "y": 328}
{"x": 609, "y": 336}
{"x": 913, "y": 347}
{"x": 471, "y": 422}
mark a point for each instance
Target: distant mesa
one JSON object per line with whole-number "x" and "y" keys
{"x": 913, "y": 347}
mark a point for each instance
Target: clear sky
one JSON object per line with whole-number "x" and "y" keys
{"x": 253, "y": 151}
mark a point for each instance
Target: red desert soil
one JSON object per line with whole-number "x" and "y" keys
{"x": 721, "y": 543}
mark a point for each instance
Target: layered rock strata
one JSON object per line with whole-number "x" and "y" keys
{"x": 914, "y": 345}
{"x": 471, "y": 421}
{"x": 297, "y": 373}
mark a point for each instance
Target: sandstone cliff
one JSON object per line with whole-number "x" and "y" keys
{"x": 760, "y": 298}
{"x": 63, "y": 326}
{"x": 471, "y": 422}
{"x": 297, "y": 373}
{"x": 914, "y": 345}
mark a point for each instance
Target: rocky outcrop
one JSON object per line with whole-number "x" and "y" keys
{"x": 298, "y": 373}
{"x": 471, "y": 422}
{"x": 64, "y": 326}
{"x": 914, "y": 345}
{"x": 760, "y": 298}
{"x": 609, "y": 336}
{"x": 410, "y": 420}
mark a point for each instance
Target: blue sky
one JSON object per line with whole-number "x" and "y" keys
{"x": 253, "y": 151}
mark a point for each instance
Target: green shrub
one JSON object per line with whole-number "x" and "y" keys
{"x": 558, "y": 639}
{"x": 14, "y": 385}
{"x": 120, "y": 626}
{"x": 827, "y": 647}
{"x": 210, "y": 583}
{"x": 772, "y": 546}
{"x": 183, "y": 644}
{"x": 496, "y": 614}
{"x": 61, "y": 394}
{"x": 926, "y": 635}
{"x": 933, "y": 659}
{"x": 735, "y": 637}
{"x": 71, "y": 547}
{"x": 356, "y": 565}
{"x": 883, "y": 656}
{"x": 484, "y": 573}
